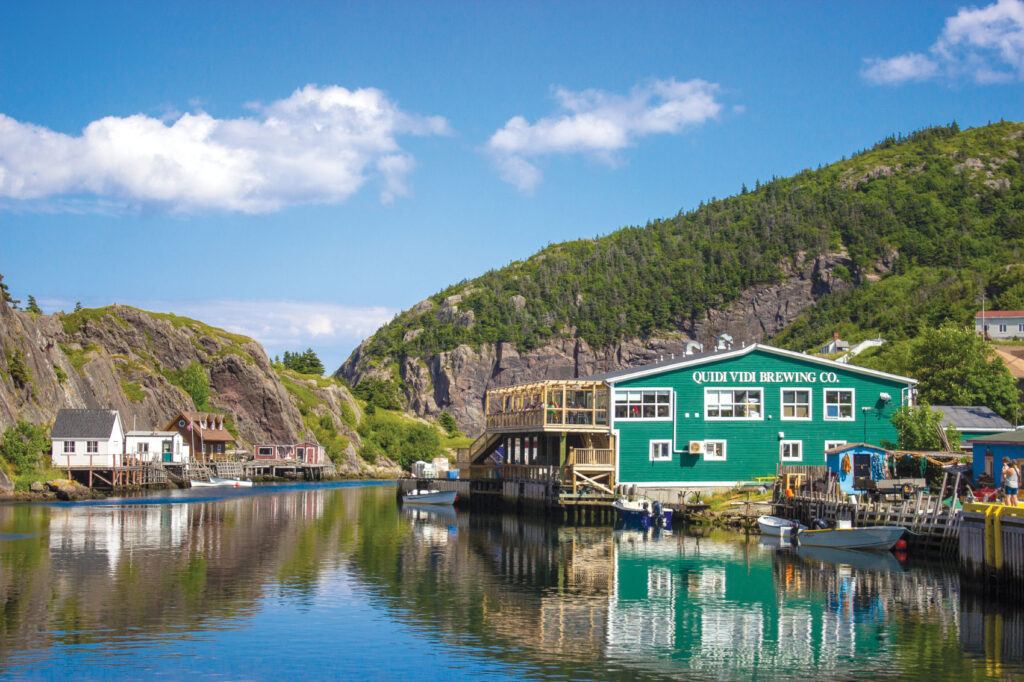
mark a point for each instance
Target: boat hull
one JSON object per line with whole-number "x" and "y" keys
{"x": 775, "y": 526}
{"x": 222, "y": 483}
{"x": 433, "y": 497}
{"x": 873, "y": 538}
{"x": 633, "y": 514}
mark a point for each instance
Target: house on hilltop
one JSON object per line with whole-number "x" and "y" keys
{"x": 1000, "y": 324}
{"x": 87, "y": 438}
{"x": 973, "y": 422}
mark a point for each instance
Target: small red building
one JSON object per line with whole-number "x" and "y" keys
{"x": 307, "y": 452}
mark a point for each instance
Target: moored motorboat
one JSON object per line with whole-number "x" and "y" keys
{"x": 430, "y": 497}
{"x": 875, "y": 538}
{"x": 215, "y": 482}
{"x": 642, "y": 512}
{"x": 778, "y": 527}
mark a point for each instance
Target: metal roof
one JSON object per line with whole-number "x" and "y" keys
{"x": 1015, "y": 437}
{"x": 973, "y": 418}
{"x": 999, "y": 313}
{"x": 83, "y": 424}
{"x": 710, "y": 356}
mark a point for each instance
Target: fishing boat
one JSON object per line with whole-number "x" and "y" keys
{"x": 778, "y": 527}
{"x": 874, "y": 538}
{"x": 642, "y": 512}
{"x": 430, "y": 497}
{"x": 215, "y": 482}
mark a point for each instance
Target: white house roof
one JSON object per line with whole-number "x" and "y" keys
{"x": 163, "y": 434}
{"x": 84, "y": 424}
{"x": 713, "y": 356}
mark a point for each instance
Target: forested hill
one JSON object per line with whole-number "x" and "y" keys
{"x": 940, "y": 211}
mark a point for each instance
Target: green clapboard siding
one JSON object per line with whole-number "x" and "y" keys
{"x": 752, "y": 447}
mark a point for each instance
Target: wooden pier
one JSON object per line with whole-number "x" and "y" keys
{"x": 992, "y": 546}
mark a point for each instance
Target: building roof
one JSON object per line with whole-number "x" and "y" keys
{"x": 999, "y": 313}
{"x": 1014, "y": 437}
{"x": 976, "y": 418}
{"x": 197, "y": 418}
{"x": 166, "y": 434}
{"x": 83, "y": 424}
{"x": 711, "y": 356}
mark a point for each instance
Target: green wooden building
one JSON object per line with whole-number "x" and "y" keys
{"x": 716, "y": 419}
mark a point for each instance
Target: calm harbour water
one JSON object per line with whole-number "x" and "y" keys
{"x": 336, "y": 581}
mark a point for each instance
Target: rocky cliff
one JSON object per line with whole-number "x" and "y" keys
{"x": 133, "y": 361}
{"x": 456, "y": 381}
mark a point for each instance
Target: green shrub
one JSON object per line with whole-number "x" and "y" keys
{"x": 348, "y": 415}
{"x": 17, "y": 368}
{"x": 61, "y": 375}
{"x": 447, "y": 423}
{"x": 22, "y": 445}
{"x": 133, "y": 391}
{"x": 195, "y": 383}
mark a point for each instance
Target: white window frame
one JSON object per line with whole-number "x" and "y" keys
{"x": 708, "y": 457}
{"x": 624, "y": 392}
{"x": 92, "y": 447}
{"x": 829, "y": 444}
{"x": 69, "y": 447}
{"x": 1020, "y": 327}
{"x": 709, "y": 389}
{"x": 853, "y": 405}
{"x": 810, "y": 404}
{"x": 663, "y": 446}
{"x": 782, "y": 450}
{"x": 1002, "y": 327}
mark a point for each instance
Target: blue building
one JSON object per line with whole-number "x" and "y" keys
{"x": 990, "y": 450}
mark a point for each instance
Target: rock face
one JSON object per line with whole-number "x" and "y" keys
{"x": 131, "y": 361}
{"x": 456, "y": 381}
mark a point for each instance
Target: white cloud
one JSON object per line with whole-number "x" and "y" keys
{"x": 319, "y": 145}
{"x": 599, "y": 123}
{"x": 985, "y": 45}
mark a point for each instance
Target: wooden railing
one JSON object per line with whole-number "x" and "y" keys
{"x": 592, "y": 457}
{"x": 527, "y": 472}
{"x": 550, "y": 416}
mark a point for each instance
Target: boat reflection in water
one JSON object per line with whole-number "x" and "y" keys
{"x": 180, "y": 586}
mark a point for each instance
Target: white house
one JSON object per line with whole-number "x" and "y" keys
{"x": 1000, "y": 324}
{"x": 87, "y": 438}
{"x": 836, "y": 345}
{"x": 157, "y": 446}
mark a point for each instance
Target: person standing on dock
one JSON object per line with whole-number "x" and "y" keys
{"x": 1011, "y": 481}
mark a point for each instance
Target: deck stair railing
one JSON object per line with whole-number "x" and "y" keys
{"x": 198, "y": 471}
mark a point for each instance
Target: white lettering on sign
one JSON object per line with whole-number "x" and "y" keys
{"x": 766, "y": 377}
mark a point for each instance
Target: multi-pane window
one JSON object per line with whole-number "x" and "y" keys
{"x": 643, "y": 404}
{"x": 732, "y": 403}
{"x": 839, "y": 403}
{"x": 714, "y": 450}
{"x": 796, "y": 403}
{"x": 791, "y": 450}
{"x": 69, "y": 447}
{"x": 92, "y": 446}
{"x": 1002, "y": 327}
{"x": 661, "y": 450}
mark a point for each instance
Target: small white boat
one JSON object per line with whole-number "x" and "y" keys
{"x": 875, "y": 538}
{"x": 643, "y": 513}
{"x": 776, "y": 526}
{"x": 215, "y": 482}
{"x": 430, "y": 497}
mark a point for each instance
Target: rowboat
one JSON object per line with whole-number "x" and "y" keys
{"x": 222, "y": 482}
{"x": 875, "y": 538}
{"x": 430, "y": 497}
{"x": 642, "y": 512}
{"x": 777, "y": 526}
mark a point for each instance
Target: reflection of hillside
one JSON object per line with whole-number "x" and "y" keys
{"x": 141, "y": 571}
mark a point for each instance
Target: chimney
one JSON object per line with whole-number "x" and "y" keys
{"x": 835, "y": 336}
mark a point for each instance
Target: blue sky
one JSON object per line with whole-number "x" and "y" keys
{"x": 300, "y": 172}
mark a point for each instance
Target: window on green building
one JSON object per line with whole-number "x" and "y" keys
{"x": 791, "y": 450}
{"x": 796, "y": 403}
{"x": 839, "y": 404}
{"x": 732, "y": 403}
{"x": 714, "y": 450}
{"x": 661, "y": 450}
{"x": 643, "y": 404}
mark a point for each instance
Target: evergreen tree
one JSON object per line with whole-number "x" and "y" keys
{"x": 32, "y": 306}
{"x": 195, "y": 383}
{"x": 306, "y": 362}
{"x": 78, "y": 306}
{"x": 5, "y": 293}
